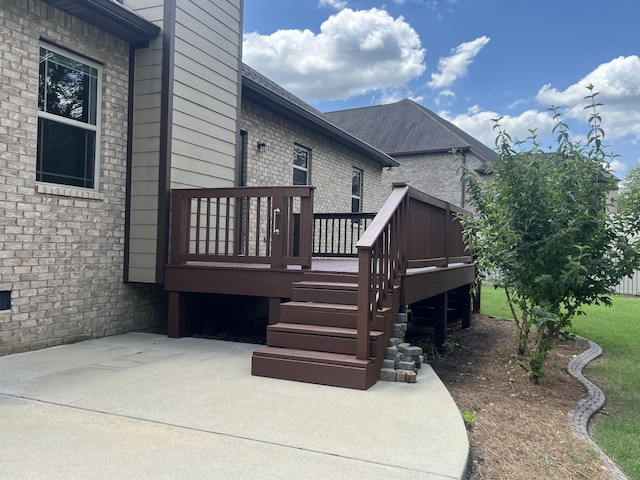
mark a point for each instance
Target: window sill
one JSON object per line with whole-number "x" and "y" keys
{"x": 68, "y": 192}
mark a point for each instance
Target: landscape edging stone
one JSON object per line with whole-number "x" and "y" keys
{"x": 588, "y": 406}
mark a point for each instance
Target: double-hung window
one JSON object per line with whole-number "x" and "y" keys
{"x": 356, "y": 190}
{"x": 300, "y": 165}
{"x": 68, "y": 119}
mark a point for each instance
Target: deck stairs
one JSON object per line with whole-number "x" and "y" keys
{"x": 315, "y": 338}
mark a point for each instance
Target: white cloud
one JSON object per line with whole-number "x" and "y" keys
{"x": 355, "y": 52}
{"x": 337, "y": 4}
{"x": 457, "y": 65}
{"x": 618, "y": 167}
{"x": 479, "y": 124}
{"x": 618, "y": 85}
{"x": 395, "y": 95}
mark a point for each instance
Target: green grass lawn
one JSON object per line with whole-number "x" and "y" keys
{"x": 617, "y": 330}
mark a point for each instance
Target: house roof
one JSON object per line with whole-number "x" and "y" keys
{"x": 258, "y": 88}
{"x": 407, "y": 128}
{"x": 111, "y": 16}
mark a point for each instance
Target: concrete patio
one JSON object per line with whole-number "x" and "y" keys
{"x": 145, "y": 406}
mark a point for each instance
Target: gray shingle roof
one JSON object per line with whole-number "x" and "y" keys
{"x": 257, "y": 77}
{"x": 405, "y": 128}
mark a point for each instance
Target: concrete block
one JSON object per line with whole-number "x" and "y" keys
{"x": 402, "y": 318}
{"x": 388, "y": 363}
{"x": 394, "y": 341}
{"x": 401, "y": 376}
{"x": 388, "y": 375}
{"x": 406, "y": 366}
{"x": 411, "y": 377}
{"x": 412, "y": 351}
{"x": 391, "y": 352}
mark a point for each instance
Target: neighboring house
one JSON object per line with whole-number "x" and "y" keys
{"x": 422, "y": 142}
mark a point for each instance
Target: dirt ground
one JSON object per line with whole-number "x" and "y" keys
{"x": 520, "y": 430}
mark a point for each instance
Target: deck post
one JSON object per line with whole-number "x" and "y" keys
{"x": 279, "y": 235}
{"x": 477, "y": 296}
{"x": 440, "y": 319}
{"x": 465, "y": 305}
{"x": 177, "y": 315}
{"x": 365, "y": 304}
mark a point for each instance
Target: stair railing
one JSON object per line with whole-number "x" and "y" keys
{"x": 411, "y": 230}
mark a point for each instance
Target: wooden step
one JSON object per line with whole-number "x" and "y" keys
{"x": 313, "y": 367}
{"x": 328, "y": 314}
{"x": 320, "y": 338}
{"x": 325, "y": 292}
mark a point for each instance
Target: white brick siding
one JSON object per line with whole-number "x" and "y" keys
{"x": 61, "y": 248}
{"x": 435, "y": 174}
{"x": 331, "y": 163}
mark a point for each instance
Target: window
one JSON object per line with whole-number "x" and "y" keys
{"x": 5, "y": 300}
{"x": 68, "y": 119}
{"x": 356, "y": 190}
{"x": 300, "y": 165}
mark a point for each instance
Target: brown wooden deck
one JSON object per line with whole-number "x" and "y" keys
{"x": 335, "y": 284}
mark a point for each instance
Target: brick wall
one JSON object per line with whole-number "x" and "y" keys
{"x": 62, "y": 249}
{"x": 331, "y": 163}
{"x": 435, "y": 174}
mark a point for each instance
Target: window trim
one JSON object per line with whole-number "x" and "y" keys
{"x": 88, "y": 126}
{"x": 306, "y": 170}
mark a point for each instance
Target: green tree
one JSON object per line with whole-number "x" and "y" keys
{"x": 542, "y": 231}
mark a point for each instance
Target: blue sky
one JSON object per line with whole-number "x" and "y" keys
{"x": 468, "y": 60}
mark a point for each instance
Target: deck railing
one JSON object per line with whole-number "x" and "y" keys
{"x": 336, "y": 234}
{"x": 411, "y": 230}
{"x": 264, "y": 225}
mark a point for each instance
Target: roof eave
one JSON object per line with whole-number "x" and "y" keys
{"x": 111, "y": 17}
{"x": 418, "y": 153}
{"x": 311, "y": 120}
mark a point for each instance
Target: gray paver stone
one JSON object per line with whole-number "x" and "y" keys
{"x": 406, "y": 366}
{"x": 388, "y": 374}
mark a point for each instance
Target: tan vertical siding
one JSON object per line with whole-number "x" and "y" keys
{"x": 146, "y": 149}
{"x": 204, "y": 116}
{"x": 205, "y": 102}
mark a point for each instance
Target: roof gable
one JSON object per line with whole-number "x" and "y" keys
{"x": 405, "y": 128}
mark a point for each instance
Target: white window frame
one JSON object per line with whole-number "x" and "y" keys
{"x": 96, "y": 128}
{"x": 299, "y": 148}
{"x": 360, "y": 174}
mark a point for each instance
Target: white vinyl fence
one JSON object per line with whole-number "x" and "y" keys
{"x": 630, "y": 285}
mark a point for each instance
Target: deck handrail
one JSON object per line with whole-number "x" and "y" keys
{"x": 335, "y": 234}
{"x": 412, "y": 228}
{"x": 243, "y": 225}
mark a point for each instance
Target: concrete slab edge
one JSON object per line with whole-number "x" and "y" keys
{"x": 587, "y": 407}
